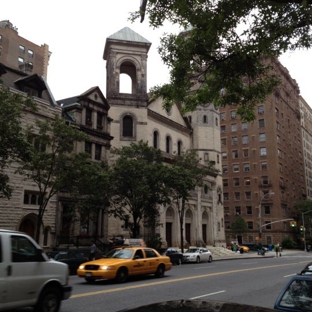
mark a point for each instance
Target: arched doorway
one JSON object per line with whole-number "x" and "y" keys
{"x": 169, "y": 223}
{"x": 204, "y": 226}
{"x": 28, "y": 226}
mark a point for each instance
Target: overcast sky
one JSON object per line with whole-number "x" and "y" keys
{"x": 76, "y": 31}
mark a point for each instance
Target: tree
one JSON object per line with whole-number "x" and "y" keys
{"x": 137, "y": 186}
{"x": 13, "y": 144}
{"x": 50, "y": 163}
{"x": 223, "y": 54}
{"x": 239, "y": 227}
{"x": 181, "y": 179}
{"x": 90, "y": 187}
{"x": 304, "y": 207}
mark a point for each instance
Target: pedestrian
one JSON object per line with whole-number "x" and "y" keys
{"x": 260, "y": 247}
{"x": 93, "y": 249}
{"x": 280, "y": 250}
{"x": 276, "y": 249}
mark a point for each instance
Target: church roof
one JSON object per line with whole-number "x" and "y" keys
{"x": 127, "y": 34}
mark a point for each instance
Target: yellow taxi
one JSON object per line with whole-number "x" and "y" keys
{"x": 120, "y": 263}
{"x": 245, "y": 248}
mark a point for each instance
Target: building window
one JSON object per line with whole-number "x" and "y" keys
{"x": 225, "y": 196}
{"x": 190, "y": 119}
{"x": 20, "y": 60}
{"x": 224, "y": 169}
{"x": 238, "y": 210}
{"x": 244, "y": 125}
{"x": 206, "y": 157}
{"x": 233, "y": 114}
{"x": 267, "y": 209}
{"x": 246, "y": 167}
{"x": 225, "y": 182}
{"x": 260, "y": 109}
{"x": 127, "y": 127}
{"x": 224, "y": 155}
{"x": 206, "y": 189}
{"x": 235, "y": 168}
{"x": 21, "y": 49}
{"x": 235, "y": 154}
{"x": 245, "y": 152}
{"x": 246, "y": 181}
{"x": 263, "y": 151}
{"x": 234, "y": 127}
{"x": 204, "y": 119}
{"x": 180, "y": 148}
{"x": 99, "y": 121}
{"x": 222, "y": 116}
{"x": 248, "y": 195}
{"x": 0, "y": 38}
{"x": 168, "y": 145}
{"x": 245, "y": 139}
{"x": 155, "y": 139}
{"x": 280, "y": 167}
{"x": 98, "y": 150}
{"x": 250, "y": 225}
{"x": 223, "y": 142}
{"x": 88, "y": 116}
{"x": 31, "y": 53}
{"x": 0, "y": 51}
{"x": 278, "y": 126}
{"x": 223, "y": 129}
{"x": 249, "y": 210}
{"x": 268, "y": 225}
{"x": 217, "y": 122}
{"x": 261, "y": 123}
{"x": 264, "y": 165}
{"x": 234, "y": 140}
{"x": 88, "y": 147}
{"x": 236, "y": 181}
{"x": 236, "y": 195}
{"x": 262, "y": 137}
{"x": 32, "y": 198}
{"x": 264, "y": 180}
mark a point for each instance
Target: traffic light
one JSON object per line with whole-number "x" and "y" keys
{"x": 293, "y": 223}
{"x": 301, "y": 228}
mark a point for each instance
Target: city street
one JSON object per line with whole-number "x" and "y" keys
{"x": 249, "y": 281}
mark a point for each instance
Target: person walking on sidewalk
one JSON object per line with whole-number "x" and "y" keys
{"x": 276, "y": 249}
{"x": 93, "y": 249}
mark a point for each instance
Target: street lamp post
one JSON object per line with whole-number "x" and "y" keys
{"x": 260, "y": 214}
{"x": 304, "y": 234}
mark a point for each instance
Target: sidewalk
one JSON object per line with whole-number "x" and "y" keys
{"x": 220, "y": 253}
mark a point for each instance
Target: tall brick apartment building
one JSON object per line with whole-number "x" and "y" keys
{"x": 263, "y": 164}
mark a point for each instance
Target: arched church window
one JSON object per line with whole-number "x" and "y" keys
{"x": 155, "y": 139}
{"x": 179, "y": 148}
{"x": 168, "y": 144}
{"x": 127, "y": 126}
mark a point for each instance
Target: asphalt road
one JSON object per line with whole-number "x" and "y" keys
{"x": 249, "y": 281}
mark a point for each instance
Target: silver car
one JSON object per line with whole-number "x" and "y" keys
{"x": 197, "y": 254}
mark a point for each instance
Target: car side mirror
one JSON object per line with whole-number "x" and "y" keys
{"x": 296, "y": 295}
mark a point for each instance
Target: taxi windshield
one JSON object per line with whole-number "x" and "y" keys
{"x": 119, "y": 254}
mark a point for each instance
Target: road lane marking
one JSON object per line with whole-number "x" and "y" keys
{"x": 176, "y": 280}
{"x": 211, "y": 294}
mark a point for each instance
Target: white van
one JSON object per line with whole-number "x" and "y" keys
{"x": 28, "y": 277}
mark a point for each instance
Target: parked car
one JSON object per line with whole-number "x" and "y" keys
{"x": 296, "y": 295}
{"x": 197, "y": 254}
{"x": 120, "y": 263}
{"x": 28, "y": 277}
{"x": 176, "y": 257}
{"x": 72, "y": 258}
{"x": 245, "y": 248}
{"x": 307, "y": 270}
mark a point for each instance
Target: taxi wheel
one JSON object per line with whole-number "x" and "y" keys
{"x": 197, "y": 260}
{"x": 89, "y": 280}
{"x": 179, "y": 261}
{"x": 121, "y": 275}
{"x": 160, "y": 271}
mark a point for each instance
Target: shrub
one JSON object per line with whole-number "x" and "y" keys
{"x": 288, "y": 243}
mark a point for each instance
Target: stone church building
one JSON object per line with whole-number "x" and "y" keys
{"x": 135, "y": 118}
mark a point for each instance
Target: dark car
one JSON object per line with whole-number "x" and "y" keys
{"x": 174, "y": 254}
{"x": 72, "y": 258}
{"x": 307, "y": 270}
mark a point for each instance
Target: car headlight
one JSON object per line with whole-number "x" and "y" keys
{"x": 81, "y": 267}
{"x": 108, "y": 267}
